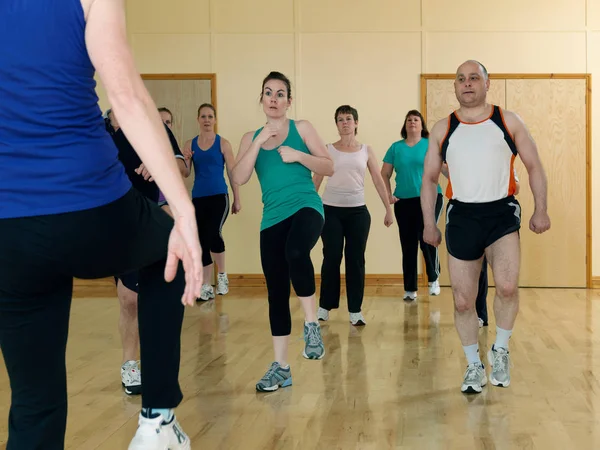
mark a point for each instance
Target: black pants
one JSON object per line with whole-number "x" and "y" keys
{"x": 481, "y": 302}
{"x": 39, "y": 256}
{"x": 352, "y": 226}
{"x": 410, "y": 226}
{"x": 211, "y": 213}
{"x": 285, "y": 255}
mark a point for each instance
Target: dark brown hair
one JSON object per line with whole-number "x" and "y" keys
{"x": 277, "y": 76}
{"x": 424, "y": 131}
{"x": 347, "y": 109}
{"x": 207, "y": 105}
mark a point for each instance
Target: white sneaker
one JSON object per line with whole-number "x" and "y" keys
{"x": 357, "y": 319}
{"x": 131, "y": 378}
{"x": 222, "y": 284}
{"x": 410, "y": 296}
{"x": 434, "y": 288}
{"x": 480, "y": 322}
{"x": 207, "y": 292}
{"x": 156, "y": 434}
{"x": 322, "y": 314}
{"x": 500, "y": 361}
{"x": 474, "y": 379}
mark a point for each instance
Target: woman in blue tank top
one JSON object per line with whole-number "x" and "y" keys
{"x": 284, "y": 153}
{"x": 67, "y": 209}
{"x": 210, "y": 154}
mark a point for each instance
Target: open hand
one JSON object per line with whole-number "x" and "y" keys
{"x": 184, "y": 246}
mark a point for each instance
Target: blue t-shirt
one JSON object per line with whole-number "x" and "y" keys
{"x": 55, "y": 153}
{"x": 408, "y": 164}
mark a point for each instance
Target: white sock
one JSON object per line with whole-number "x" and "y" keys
{"x": 502, "y": 337}
{"x": 472, "y": 353}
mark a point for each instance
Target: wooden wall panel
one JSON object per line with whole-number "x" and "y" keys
{"x": 555, "y": 113}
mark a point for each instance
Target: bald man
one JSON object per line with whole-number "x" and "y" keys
{"x": 479, "y": 143}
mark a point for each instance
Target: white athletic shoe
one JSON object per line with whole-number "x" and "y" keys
{"x": 480, "y": 322}
{"x": 434, "y": 288}
{"x": 222, "y": 284}
{"x": 474, "y": 379}
{"x": 410, "y": 296}
{"x": 500, "y": 361}
{"x": 322, "y": 314}
{"x": 131, "y": 378}
{"x": 156, "y": 434}
{"x": 207, "y": 292}
{"x": 357, "y": 319}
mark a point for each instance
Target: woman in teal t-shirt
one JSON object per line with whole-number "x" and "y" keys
{"x": 406, "y": 157}
{"x": 284, "y": 153}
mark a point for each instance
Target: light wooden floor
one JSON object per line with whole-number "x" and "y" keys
{"x": 393, "y": 384}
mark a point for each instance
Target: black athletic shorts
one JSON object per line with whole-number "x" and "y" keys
{"x": 129, "y": 280}
{"x": 472, "y": 227}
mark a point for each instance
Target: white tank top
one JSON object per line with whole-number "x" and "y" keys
{"x": 346, "y": 187}
{"x": 480, "y": 158}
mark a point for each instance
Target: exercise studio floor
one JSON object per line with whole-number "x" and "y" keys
{"x": 392, "y": 384}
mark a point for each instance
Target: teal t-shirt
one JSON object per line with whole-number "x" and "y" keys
{"x": 286, "y": 187}
{"x": 408, "y": 165}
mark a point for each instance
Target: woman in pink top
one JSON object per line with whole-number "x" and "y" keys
{"x": 347, "y": 217}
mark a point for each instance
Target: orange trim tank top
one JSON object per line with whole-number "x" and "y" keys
{"x": 480, "y": 158}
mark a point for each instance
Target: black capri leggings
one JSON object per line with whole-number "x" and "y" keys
{"x": 39, "y": 256}
{"x": 285, "y": 255}
{"x": 211, "y": 213}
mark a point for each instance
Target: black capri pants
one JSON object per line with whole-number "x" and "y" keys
{"x": 285, "y": 255}
{"x": 211, "y": 213}
{"x": 39, "y": 256}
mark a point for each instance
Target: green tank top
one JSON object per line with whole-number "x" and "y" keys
{"x": 286, "y": 187}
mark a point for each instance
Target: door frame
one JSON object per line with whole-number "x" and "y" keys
{"x": 212, "y": 77}
{"x": 590, "y": 282}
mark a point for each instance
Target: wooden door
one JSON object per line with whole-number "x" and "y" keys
{"x": 182, "y": 97}
{"x": 555, "y": 112}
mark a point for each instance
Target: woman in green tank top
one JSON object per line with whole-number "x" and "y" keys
{"x": 284, "y": 154}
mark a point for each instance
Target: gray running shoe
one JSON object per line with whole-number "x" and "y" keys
{"x": 500, "y": 361}
{"x": 313, "y": 343}
{"x": 474, "y": 380}
{"x": 275, "y": 378}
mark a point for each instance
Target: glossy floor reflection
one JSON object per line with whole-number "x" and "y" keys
{"x": 392, "y": 384}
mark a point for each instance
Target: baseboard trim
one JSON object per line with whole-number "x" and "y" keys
{"x": 596, "y": 282}
{"x": 258, "y": 279}
{"x": 249, "y": 280}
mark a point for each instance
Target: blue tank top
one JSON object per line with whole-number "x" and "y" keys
{"x": 208, "y": 169}
{"x": 55, "y": 153}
